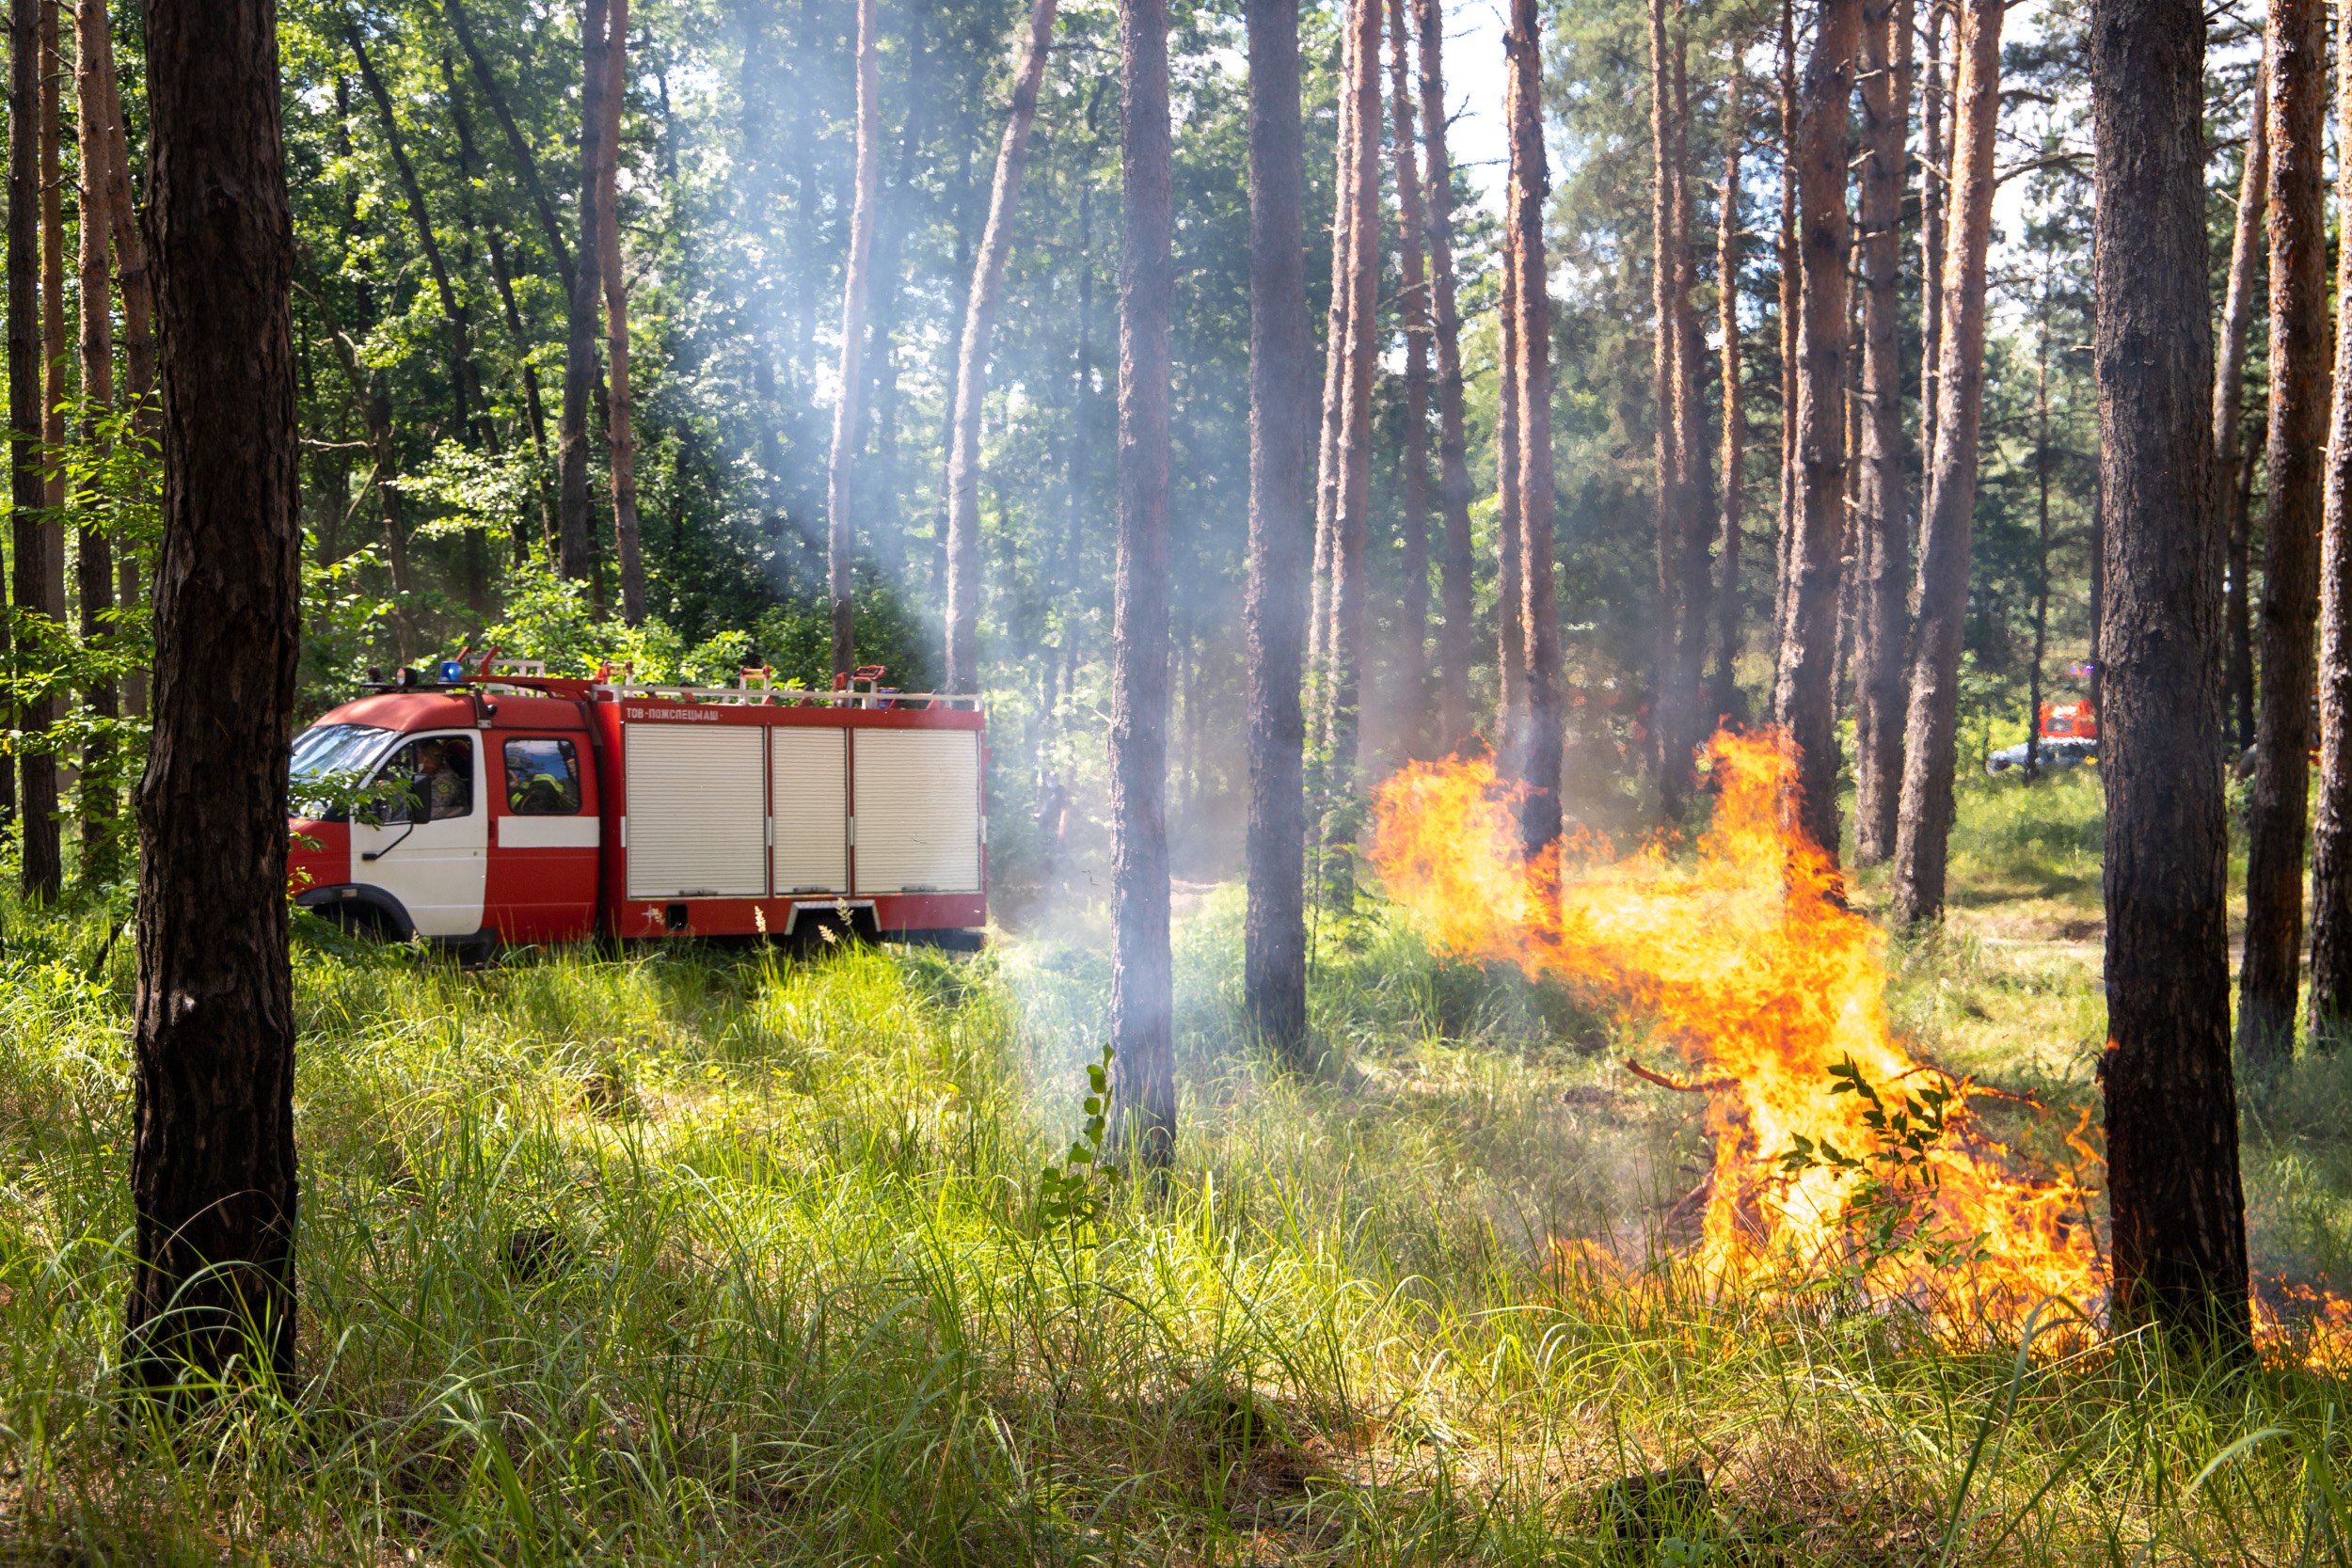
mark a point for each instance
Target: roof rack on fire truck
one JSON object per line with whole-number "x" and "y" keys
{"x": 754, "y": 687}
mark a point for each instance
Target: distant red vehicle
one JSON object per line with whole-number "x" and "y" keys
{"x": 505, "y": 807}
{"x": 2070, "y": 738}
{"x": 2074, "y": 720}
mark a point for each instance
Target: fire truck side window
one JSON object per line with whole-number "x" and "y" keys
{"x": 428, "y": 781}
{"x": 542, "y": 778}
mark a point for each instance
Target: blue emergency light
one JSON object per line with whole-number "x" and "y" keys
{"x": 451, "y": 672}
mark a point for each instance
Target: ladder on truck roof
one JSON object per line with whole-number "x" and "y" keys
{"x": 755, "y": 686}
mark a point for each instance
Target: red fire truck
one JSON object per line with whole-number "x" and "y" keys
{"x": 495, "y": 804}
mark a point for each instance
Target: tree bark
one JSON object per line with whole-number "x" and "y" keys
{"x": 1667, "y": 454}
{"x": 1459, "y": 636}
{"x": 2179, "y": 1228}
{"x": 94, "y": 563}
{"x": 1933, "y": 200}
{"x": 1342, "y": 685}
{"x": 1510, "y": 737}
{"x": 573, "y": 546}
{"x": 621, "y": 414}
{"x": 841, "y": 566}
{"x": 1791, "y": 321}
{"x": 1724, "y": 701}
{"x": 2295, "y": 52}
{"x": 139, "y": 305}
{"x": 1282, "y": 529}
{"x": 1883, "y": 521}
{"x": 2239, "y": 609}
{"x": 23, "y": 274}
{"x": 1142, "y": 986}
{"x": 1930, "y": 729}
{"x": 1412, "y": 678}
{"x": 213, "y": 1172}
{"x": 1338, "y": 308}
{"x": 2233, "y": 488}
{"x": 1694, "y": 594}
{"x": 1804, "y": 694}
{"x": 1531, "y": 309}
{"x": 971, "y": 388}
{"x": 2331, "y": 843}
{"x": 40, "y": 570}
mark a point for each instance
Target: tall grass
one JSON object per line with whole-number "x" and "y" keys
{"x": 711, "y": 1257}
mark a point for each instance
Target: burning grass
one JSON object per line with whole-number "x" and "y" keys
{"x": 793, "y": 1301}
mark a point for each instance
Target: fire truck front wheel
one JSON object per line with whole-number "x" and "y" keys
{"x": 362, "y": 911}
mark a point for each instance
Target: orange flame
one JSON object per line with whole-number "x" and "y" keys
{"x": 1764, "y": 982}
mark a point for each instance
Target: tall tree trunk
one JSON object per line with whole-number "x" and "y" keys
{"x": 2238, "y": 610}
{"x": 1510, "y": 725}
{"x": 2331, "y": 843}
{"x": 95, "y": 562}
{"x": 2042, "y": 454}
{"x": 464, "y": 378}
{"x": 1723, "y": 699}
{"x": 1531, "y": 307}
{"x": 1883, "y": 520}
{"x": 23, "y": 270}
{"x": 1142, "y": 986}
{"x": 1804, "y": 694}
{"x": 621, "y": 430}
{"x": 2295, "y": 53}
{"x": 1282, "y": 531}
{"x": 1342, "y": 303}
{"x": 139, "y": 304}
{"x": 1457, "y": 641}
{"x": 1343, "y": 643}
{"x": 840, "y": 567}
{"x": 2179, "y": 1223}
{"x": 1667, "y": 455}
{"x": 40, "y": 579}
{"x": 213, "y": 1172}
{"x": 1933, "y": 200}
{"x": 1694, "y": 594}
{"x": 1930, "y": 729}
{"x": 2231, "y": 497}
{"x": 1413, "y": 648}
{"x": 971, "y": 388}
{"x": 1791, "y": 325}
{"x": 574, "y": 550}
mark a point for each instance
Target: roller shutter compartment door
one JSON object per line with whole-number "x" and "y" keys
{"x": 811, "y": 769}
{"x": 919, "y": 810}
{"x": 697, "y": 812}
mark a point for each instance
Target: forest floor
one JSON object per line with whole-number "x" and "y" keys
{"x": 717, "y": 1257}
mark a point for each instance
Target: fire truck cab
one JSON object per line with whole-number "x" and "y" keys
{"x": 497, "y": 805}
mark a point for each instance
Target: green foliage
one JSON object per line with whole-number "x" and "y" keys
{"x": 1891, "y": 1187}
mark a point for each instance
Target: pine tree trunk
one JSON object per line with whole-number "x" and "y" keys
{"x": 2179, "y": 1230}
{"x": 1694, "y": 594}
{"x": 41, "y": 572}
{"x": 1412, "y": 654}
{"x": 1510, "y": 725}
{"x": 1791, "y": 266}
{"x": 1342, "y": 685}
{"x": 2228, "y": 400}
{"x": 1667, "y": 455}
{"x": 1723, "y": 697}
{"x": 971, "y": 389}
{"x": 23, "y": 272}
{"x": 94, "y": 561}
{"x": 1930, "y": 730}
{"x": 2295, "y": 50}
{"x": 621, "y": 430}
{"x": 1883, "y": 520}
{"x": 139, "y": 305}
{"x": 1142, "y": 985}
{"x": 840, "y": 576}
{"x": 2332, "y": 842}
{"x": 213, "y": 1172}
{"x": 2239, "y": 609}
{"x": 1933, "y": 200}
{"x": 1281, "y": 530}
{"x": 1804, "y": 693}
{"x": 1530, "y": 307}
{"x": 1336, "y": 315}
{"x": 1457, "y": 640}
{"x": 574, "y": 549}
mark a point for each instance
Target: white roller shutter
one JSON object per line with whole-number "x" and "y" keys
{"x": 811, "y": 769}
{"x": 919, "y": 810}
{"x": 697, "y": 812}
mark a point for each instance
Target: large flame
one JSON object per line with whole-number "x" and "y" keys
{"x": 1750, "y": 966}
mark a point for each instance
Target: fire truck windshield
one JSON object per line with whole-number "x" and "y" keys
{"x": 329, "y": 760}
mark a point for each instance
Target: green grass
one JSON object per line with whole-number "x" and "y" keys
{"x": 783, "y": 1293}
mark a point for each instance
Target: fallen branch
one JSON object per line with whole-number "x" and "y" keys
{"x": 1652, "y": 1076}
